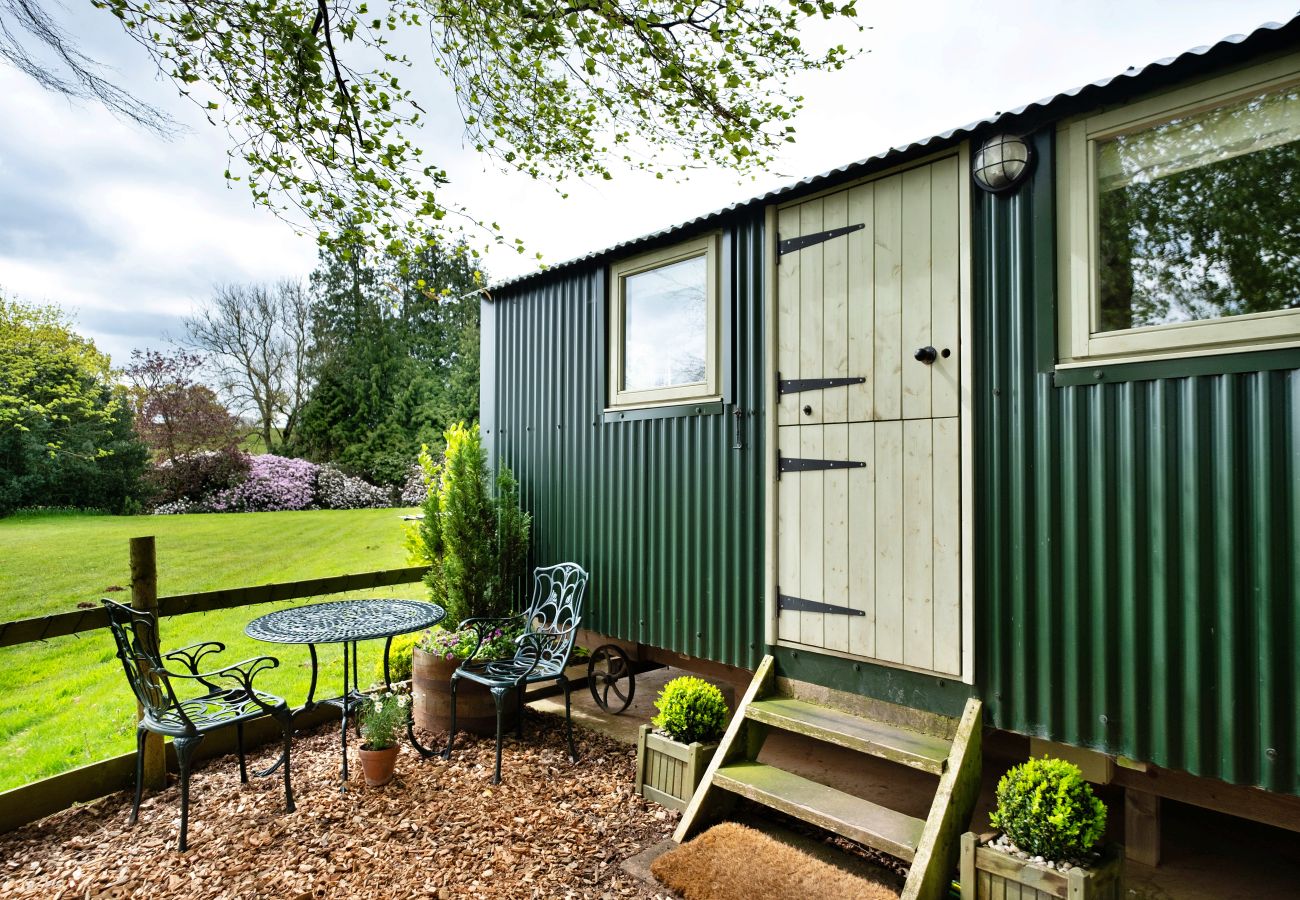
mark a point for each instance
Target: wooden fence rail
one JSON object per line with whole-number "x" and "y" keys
{"x": 40, "y": 798}
{"x": 80, "y": 621}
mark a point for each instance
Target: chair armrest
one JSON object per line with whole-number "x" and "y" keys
{"x": 241, "y": 673}
{"x": 536, "y": 639}
{"x": 481, "y": 626}
{"x": 191, "y": 656}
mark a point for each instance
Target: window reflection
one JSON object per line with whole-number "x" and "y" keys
{"x": 665, "y": 326}
{"x": 1199, "y": 217}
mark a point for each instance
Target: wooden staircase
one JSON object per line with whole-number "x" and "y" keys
{"x": 948, "y": 748}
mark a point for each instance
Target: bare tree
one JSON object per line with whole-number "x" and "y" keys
{"x": 256, "y": 337}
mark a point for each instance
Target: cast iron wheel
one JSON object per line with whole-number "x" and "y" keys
{"x": 611, "y": 671}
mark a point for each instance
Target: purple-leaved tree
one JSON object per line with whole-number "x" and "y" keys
{"x": 174, "y": 414}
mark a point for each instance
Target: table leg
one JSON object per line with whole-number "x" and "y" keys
{"x": 356, "y": 687}
{"x": 343, "y": 786}
{"x": 311, "y": 690}
{"x": 410, "y": 719}
{"x": 307, "y": 707}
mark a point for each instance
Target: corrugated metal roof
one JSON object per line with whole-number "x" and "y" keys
{"x": 1132, "y": 80}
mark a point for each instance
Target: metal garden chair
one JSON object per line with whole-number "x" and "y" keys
{"x": 550, "y": 628}
{"x": 187, "y": 721}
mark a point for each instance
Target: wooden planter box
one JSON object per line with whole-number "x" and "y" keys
{"x": 988, "y": 873}
{"x": 668, "y": 772}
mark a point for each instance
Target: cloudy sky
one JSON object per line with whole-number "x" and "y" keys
{"x": 129, "y": 232}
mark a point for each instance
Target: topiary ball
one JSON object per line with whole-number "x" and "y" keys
{"x": 1047, "y": 809}
{"x": 690, "y": 710}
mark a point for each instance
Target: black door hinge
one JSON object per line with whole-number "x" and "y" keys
{"x": 794, "y": 464}
{"x": 795, "y": 385}
{"x": 790, "y": 245}
{"x": 786, "y": 603}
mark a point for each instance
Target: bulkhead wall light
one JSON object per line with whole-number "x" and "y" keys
{"x": 1001, "y": 163}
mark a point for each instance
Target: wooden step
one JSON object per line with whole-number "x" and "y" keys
{"x": 852, "y": 817}
{"x": 911, "y": 748}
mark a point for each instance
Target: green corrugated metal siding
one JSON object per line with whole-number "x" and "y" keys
{"x": 1138, "y": 545}
{"x": 666, "y": 513}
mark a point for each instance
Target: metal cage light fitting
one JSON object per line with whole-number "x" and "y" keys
{"x": 1001, "y": 163}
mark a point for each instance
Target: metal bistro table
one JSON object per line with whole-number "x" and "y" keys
{"x": 347, "y": 622}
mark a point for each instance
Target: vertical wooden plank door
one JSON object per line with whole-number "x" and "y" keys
{"x": 868, "y": 511}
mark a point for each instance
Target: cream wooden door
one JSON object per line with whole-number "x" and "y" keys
{"x": 869, "y": 495}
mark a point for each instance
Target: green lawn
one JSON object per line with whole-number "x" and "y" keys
{"x": 66, "y": 702}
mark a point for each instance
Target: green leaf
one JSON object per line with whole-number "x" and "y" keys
{"x": 540, "y": 90}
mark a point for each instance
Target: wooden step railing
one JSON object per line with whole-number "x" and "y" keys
{"x": 948, "y": 748}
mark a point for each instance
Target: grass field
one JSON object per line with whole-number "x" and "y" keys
{"x": 66, "y": 702}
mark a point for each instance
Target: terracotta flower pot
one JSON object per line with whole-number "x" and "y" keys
{"x": 378, "y": 765}
{"x": 476, "y": 711}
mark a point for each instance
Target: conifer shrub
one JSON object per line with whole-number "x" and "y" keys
{"x": 474, "y": 539}
{"x": 1047, "y": 809}
{"x": 690, "y": 710}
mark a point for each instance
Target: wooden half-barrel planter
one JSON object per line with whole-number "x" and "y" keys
{"x": 987, "y": 873}
{"x": 668, "y": 772}
{"x": 476, "y": 711}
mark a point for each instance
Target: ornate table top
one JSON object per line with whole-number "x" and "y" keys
{"x": 343, "y": 621}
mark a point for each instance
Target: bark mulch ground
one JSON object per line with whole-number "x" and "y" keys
{"x": 440, "y": 829}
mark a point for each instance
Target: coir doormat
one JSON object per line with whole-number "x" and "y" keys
{"x": 735, "y": 862}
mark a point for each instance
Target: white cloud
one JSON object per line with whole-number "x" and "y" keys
{"x": 125, "y": 230}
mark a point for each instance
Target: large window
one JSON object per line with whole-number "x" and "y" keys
{"x": 1180, "y": 221}
{"x": 664, "y": 326}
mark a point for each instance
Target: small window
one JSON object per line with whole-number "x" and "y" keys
{"x": 664, "y": 326}
{"x": 1181, "y": 222}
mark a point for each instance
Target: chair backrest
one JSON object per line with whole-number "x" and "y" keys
{"x": 136, "y": 636}
{"x": 555, "y": 613}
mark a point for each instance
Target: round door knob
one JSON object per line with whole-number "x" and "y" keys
{"x": 807, "y": 410}
{"x": 926, "y": 355}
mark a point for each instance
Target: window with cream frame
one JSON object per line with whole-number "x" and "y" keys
{"x": 1179, "y": 221}
{"x": 664, "y": 322}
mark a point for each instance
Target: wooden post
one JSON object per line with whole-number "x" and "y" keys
{"x": 967, "y": 867}
{"x": 1142, "y": 826}
{"x": 144, "y": 597}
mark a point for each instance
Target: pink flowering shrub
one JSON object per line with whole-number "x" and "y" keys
{"x": 274, "y": 483}
{"x": 337, "y": 490}
{"x": 269, "y": 483}
{"x": 184, "y": 483}
{"x": 178, "y": 508}
{"x": 415, "y": 490}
